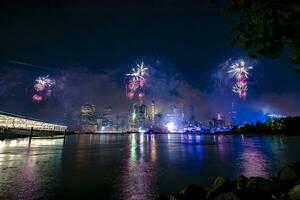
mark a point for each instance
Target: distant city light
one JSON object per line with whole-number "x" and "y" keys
{"x": 141, "y": 130}
{"x": 171, "y": 126}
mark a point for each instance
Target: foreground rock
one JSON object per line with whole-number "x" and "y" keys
{"x": 220, "y": 185}
{"x": 241, "y": 182}
{"x": 294, "y": 192}
{"x": 287, "y": 174}
{"x": 284, "y": 186}
{"x": 228, "y": 196}
{"x": 191, "y": 192}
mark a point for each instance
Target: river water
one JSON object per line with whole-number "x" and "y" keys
{"x": 134, "y": 166}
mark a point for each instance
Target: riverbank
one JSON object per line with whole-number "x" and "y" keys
{"x": 16, "y": 135}
{"x": 284, "y": 186}
{"x": 239, "y": 132}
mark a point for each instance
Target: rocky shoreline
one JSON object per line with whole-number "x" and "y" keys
{"x": 284, "y": 186}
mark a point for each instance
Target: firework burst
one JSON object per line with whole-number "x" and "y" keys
{"x": 135, "y": 81}
{"x": 239, "y": 70}
{"x": 42, "y": 86}
{"x": 240, "y": 88}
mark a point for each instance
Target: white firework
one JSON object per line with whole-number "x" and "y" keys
{"x": 240, "y": 69}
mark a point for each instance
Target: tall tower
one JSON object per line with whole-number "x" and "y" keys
{"x": 153, "y": 111}
{"x": 233, "y": 115}
{"x": 107, "y": 119}
{"x": 142, "y": 115}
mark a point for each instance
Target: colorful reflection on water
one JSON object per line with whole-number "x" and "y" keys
{"x": 138, "y": 171}
{"x": 21, "y": 166}
{"x": 134, "y": 166}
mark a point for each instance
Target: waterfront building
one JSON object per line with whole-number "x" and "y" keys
{"x": 88, "y": 119}
{"x": 13, "y": 121}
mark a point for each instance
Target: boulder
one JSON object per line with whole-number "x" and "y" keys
{"x": 220, "y": 185}
{"x": 161, "y": 197}
{"x": 261, "y": 183}
{"x": 297, "y": 182}
{"x": 227, "y": 196}
{"x": 241, "y": 182}
{"x": 294, "y": 192}
{"x": 297, "y": 167}
{"x": 253, "y": 194}
{"x": 287, "y": 173}
{"x": 191, "y": 192}
{"x": 176, "y": 197}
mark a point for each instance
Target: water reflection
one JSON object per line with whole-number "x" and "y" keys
{"x": 133, "y": 166}
{"x": 138, "y": 174}
{"x": 24, "y": 170}
{"x": 258, "y": 153}
{"x": 253, "y": 160}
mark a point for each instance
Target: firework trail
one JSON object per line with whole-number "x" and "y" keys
{"x": 42, "y": 86}
{"x": 239, "y": 70}
{"x": 135, "y": 81}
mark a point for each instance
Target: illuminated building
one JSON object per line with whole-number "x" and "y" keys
{"x": 107, "y": 120}
{"x": 88, "y": 118}
{"x": 159, "y": 120}
{"x": 232, "y": 115}
{"x": 133, "y": 118}
{"x": 8, "y": 120}
{"x": 139, "y": 118}
{"x": 142, "y": 116}
{"x": 217, "y": 123}
{"x": 173, "y": 120}
{"x": 272, "y": 116}
{"x": 153, "y": 112}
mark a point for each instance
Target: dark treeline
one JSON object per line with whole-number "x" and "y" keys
{"x": 289, "y": 125}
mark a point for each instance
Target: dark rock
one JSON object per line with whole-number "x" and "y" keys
{"x": 161, "y": 197}
{"x": 262, "y": 183}
{"x": 297, "y": 182}
{"x": 176, "y": 197}
{"x": 274, "y": 179}
{"x": 227, "y": 196}
{"x": 284, "y": 196}
{"x": 220, "y": 185}
{"x": 297, "y": 167}
{"x": 287, "y": 173}
{"x": 294, "y": 192}
{"x": 266, "y": 185}
{"x": 241, "y": 182}
{"x": 191, "y": 192}
{"x": 253, "y": 194}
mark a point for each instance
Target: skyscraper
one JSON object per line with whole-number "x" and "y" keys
{"x": 88, "y": 119}
{"x": 153, "y": 112}
{"x": 107, "y": 119}
{"x": 143, "y": 116}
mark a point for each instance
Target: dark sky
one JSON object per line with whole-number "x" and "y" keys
{"x": 105, "y": 38}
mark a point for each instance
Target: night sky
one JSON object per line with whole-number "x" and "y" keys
{"x": 88, "y": 46}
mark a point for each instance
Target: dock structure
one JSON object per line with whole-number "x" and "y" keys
{"x": 13, "y": 121}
